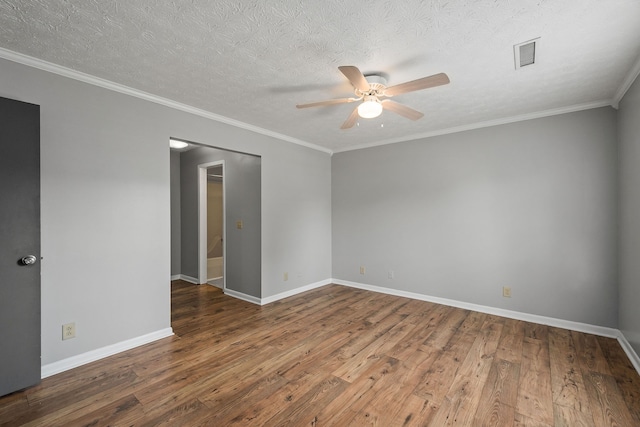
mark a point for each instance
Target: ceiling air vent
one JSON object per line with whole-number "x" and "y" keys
{"x": 526, "y": 53}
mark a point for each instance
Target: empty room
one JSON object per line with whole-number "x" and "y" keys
{"x": 410, "y": 213}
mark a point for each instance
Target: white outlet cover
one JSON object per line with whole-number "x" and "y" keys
{"x": 68, "y": 331}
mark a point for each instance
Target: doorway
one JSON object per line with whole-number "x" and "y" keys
{"x": 211, "y": 223}
{"x": 241, "y": 232}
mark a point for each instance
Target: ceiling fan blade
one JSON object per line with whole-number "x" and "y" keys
{"x": 351, "y": 120}
{"x": 356, "y": 77}
{"x": 403, "y": 110}
{"x": 328, "y": 102}
{"x": 419, "y": 84}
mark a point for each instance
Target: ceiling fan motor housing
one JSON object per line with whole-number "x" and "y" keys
{"x": 377, "y": 83}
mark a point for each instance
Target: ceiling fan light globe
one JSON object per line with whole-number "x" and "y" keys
{"x": 370, "y": 109}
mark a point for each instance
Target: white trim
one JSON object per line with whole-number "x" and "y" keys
{"x": 489, "y": 123}
{"x": 189, "y": 279}
{"x": 631, "y": 353}
{"x": 213, "y": 284}
{"x": 202, "y": 221}
{"x": 106, "y": 84}
{"x": 243, "y": 297}
{"x": 175, "y": 277}
{"x": 534, "y": 318}
{"x": 100, "y": 353}
{"x": 631, "y": 77}
{"x": 91, "y": 356}
{"x": 296, "y": 291}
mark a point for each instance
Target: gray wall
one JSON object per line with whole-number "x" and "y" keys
{"x": 175, "y": 213}
{"x": 530, "y": 205}
{"x": 445, "y": 213}
{"x": 105, "y": 211}
{"x": 106, "y": 207}
{"x": 629, "y": 134}
{"x": 242, "y": 202}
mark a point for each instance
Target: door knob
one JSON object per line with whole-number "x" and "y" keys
{"x": 28, "y": 260}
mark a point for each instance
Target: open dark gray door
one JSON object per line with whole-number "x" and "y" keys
{"x": 19, "y": 245}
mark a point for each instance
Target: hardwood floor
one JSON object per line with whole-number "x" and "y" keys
{"x": 343, "y": 357}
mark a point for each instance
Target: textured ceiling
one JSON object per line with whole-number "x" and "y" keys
{"x": 253, "y": 61}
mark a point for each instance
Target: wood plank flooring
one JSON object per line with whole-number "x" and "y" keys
{"x": 343, "y": 357}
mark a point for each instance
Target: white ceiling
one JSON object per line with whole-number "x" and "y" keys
{"x": 253, "y": 61}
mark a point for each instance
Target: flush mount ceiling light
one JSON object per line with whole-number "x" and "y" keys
{"x": 370, "y": 108}
{"x": 174, "y": 143}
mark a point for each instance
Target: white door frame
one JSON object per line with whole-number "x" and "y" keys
{"x": 202, "y": 223}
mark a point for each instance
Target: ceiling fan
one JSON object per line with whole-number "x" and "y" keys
{"x": 371, "y": 88}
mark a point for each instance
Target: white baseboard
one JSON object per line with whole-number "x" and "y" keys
{"x": 296, "y": 291}
{"x": 273, "y": 298}
{"x": 189, "y": 279}
{"x": 91, "y": 356}
{"x": 534, "y": 318}
{"x": 194, "y": 280}
{"x": 243, "y": 297}
{"x": 631, "y": 353}
{"x": 100, "y": 353}
{"x": 213, "y": 284}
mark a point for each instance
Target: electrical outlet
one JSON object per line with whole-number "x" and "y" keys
{"x": 286, "y": 276}
{"x": 68, "y": 331}
{"x": 506, "y": 292}
{"x": 391, "y": 274}
{"x": 362, "y": 269}
{"x": 239, "y": 224}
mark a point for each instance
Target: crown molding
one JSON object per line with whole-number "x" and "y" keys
{"x": 631, "y": 77}
{"x": 479, "y": 125}
{"x": 106, "y": 84}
